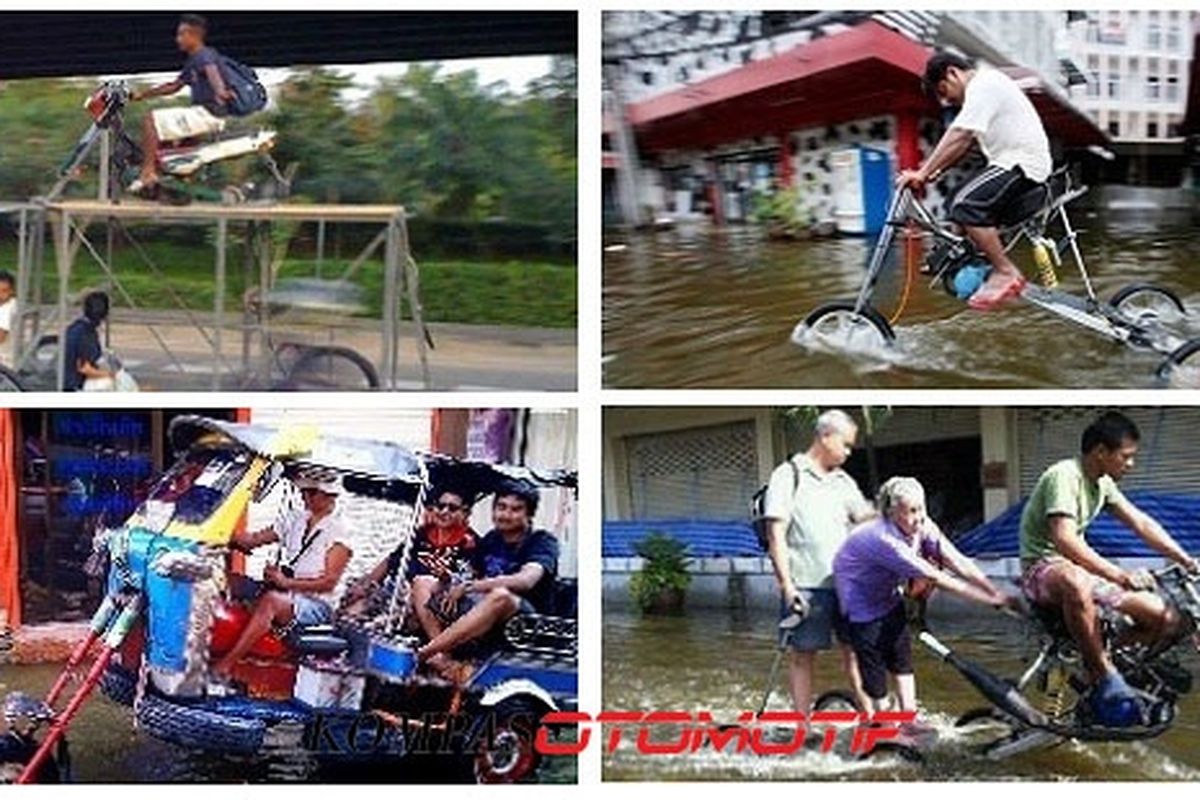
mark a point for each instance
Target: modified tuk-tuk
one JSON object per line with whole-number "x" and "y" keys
{"x": 348, "y": 694}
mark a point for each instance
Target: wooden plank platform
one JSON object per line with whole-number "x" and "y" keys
{"x": 245, "y": 212}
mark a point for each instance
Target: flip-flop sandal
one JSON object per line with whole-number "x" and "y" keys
{"x": 1011, "y": 291}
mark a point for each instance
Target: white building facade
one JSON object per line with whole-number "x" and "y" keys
{"x": 1137, "y": 64}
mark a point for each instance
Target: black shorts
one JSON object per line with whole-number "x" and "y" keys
{"x": 881, "y": 646}
{"x": 983, "y": 201}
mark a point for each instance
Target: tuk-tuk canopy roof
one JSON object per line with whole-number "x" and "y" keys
{"x": 306, "y": 447}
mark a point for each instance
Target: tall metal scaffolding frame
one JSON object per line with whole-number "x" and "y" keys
{"x": 70, "y": 224}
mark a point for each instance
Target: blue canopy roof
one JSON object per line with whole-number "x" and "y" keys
{"x": 1179, "y": 514}
{"x": 704, "y": 539}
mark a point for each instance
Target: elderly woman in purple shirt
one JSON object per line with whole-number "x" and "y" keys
{"x": 870, "y": 571}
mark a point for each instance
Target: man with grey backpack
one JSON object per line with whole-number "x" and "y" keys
{"x": 808, "y": 508}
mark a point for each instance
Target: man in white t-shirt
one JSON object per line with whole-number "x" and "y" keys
{"x": 811, "y": 505}
{"x": 313, "y": 557}
{"x": 995, "y": 113}
{"x": 8, "y": 316}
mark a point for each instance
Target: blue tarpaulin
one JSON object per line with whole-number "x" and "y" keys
{"x": 704, "y": 539}
{"x": 1179, "y": 514}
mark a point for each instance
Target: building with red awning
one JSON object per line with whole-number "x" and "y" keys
{"x": 706, "y": 147}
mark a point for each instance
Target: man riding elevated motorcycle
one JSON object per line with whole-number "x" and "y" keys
{"x": 1062, "y": 572}
{"x": 202, "y": 74}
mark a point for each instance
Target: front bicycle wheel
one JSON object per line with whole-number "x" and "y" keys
{"x": 330, "y": 369}
{"x": 839, "y": 326}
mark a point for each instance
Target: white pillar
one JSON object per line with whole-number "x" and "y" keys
{"x": 1000, "y": 468}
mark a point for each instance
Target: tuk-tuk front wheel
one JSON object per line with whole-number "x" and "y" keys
{"x": 508, "y": 754}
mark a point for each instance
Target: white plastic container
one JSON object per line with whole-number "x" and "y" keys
{"x": 325, "y": 685}
{"x": 848, "y": 191}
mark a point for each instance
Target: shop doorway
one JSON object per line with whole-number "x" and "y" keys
{"x": 79, "y": 471}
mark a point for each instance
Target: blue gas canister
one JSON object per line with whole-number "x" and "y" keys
{"x": 969, "y": 278}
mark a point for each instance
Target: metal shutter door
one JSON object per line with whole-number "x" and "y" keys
{"x": 1166, "y": 459}
{"x": 706, "y": 473}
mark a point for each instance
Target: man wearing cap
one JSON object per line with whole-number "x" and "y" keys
{"x": 312, "y": 559}
{"x": 517, "y": 564}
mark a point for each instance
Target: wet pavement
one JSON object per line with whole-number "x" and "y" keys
{"x": 718, "y": 661}
{"x": 698, "y": 307}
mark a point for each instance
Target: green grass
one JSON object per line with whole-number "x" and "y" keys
{"x": 525, "y": 294}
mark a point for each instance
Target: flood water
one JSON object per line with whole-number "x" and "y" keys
{"x": 719, "y": 662}
{"x": 700, "y": 307}
{"x": 105, "y": 748}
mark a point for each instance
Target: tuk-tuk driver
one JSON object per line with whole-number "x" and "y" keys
{"x": 313, "y": 558}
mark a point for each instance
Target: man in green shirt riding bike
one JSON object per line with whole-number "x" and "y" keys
{"x": 1061, "y": 571}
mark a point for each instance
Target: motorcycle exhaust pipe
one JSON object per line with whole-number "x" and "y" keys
{"x": 1000, "y": 692}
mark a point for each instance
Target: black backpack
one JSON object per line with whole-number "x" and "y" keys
{"x": 249, "y": 95}
{"x": 758, "y": 508}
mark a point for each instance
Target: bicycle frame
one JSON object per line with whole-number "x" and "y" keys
{"x": 906, "y": 209}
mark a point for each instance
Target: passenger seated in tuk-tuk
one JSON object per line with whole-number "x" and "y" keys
{"x": 312, "y": 560}
{"x": 517, "y": 566}
{"x": 442, "y": 552}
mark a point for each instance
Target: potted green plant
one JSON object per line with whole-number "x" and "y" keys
{"x": 659, "y": 586}
{"x": 779, "y": 213}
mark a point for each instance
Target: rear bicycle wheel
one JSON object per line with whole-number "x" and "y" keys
{"x": 1145, "y": 303}
{"x": 330, "y": 369}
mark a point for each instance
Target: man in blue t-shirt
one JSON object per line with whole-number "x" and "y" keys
{"x": 517, "y": 565}
{"x": 82, "y": 344}
{"x": 201, "y": 73}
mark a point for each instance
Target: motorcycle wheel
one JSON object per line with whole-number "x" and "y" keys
{"x": 508, "y": 755}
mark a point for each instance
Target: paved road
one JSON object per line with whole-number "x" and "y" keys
{"x": 465, "y": 358}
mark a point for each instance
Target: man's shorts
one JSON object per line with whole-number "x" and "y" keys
{"x": 1035, "y": 581}
{"x": 310, "y": 611}
{"x": 187, "y": 122}
{"x": 816, "y": 631}
{"x": 468, "y": 601}
{"x": 983, "y": 200}
{"x": 881, "y": 646}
